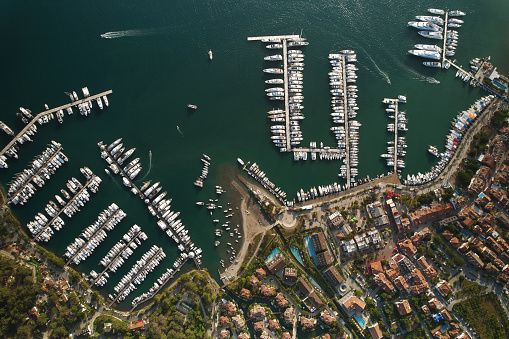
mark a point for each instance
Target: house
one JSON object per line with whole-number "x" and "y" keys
{"x": 257, "y": 312}
{"x": 224, "y": 334}
{"x": 377, "y": 213}
{"x": 254, "y": 281}
{"x": 223, "y": 321}
{"x": 288, "y": 315}
{"x": 376, "y": 267}
{"x": 304, "y": 287}
{"x": 229, "y": 307}
{"x": 444, "y": 288}
{"x": 420, "y": 284}
{"x": 290, "y": 275}
{"x": 446, "y": 315}
{"x": 395, "y": 214}
{"x": 349, "y": 247}
{"x": 401, "y": 283}
{"x": 407, "y": 247}
{"x": 403, "y": 307}
{"x": 428, "y": 270}
{"x": 361, "y": 241}
{"x": 273, "y": 325}
{"x": 281, "y": 300}
{"x": 286, "y": 335}
{"x": 324, "y": 258}
{"x": 275, "y": 263}
{"x": 354, "y": 304}
{"x": 335, "y": 220}
{"x": 315, "y": 300}
{"x": 426, "y": 311}
{"x": 385, "y": 284}
{"x": 374, "y": 238}
{"x": 434, "y": 303}
{"x": 137, "y": 326}
{"x": 333, "y": 276}
{"x": 345, "y": 229}
{"x": 33, "y": 312}
{"x": 268, "y": 291}
{"x": 307, "y": 323}
{"x": 375, "y": 331}
{"x": 264, "y": 335}
{"x": 245, "y": 293}
{"x": 318, "y": 242}
{"x": 258, "y": 327}
{"x": 239, "y": 322}
{"x": 260, "y": 273}
{"x": 327, "y": 318}
{"x": 425, "y": 214}
{"x": 474, "y": 259}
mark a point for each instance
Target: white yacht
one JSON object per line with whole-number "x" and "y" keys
{"x": 425, "y": 54}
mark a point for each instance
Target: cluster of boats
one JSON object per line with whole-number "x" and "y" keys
{"x": 344, "y": 109}
{"x": 120, "y": 252}
{"x": 432, "y": 26}
{"x": 42, "y": 228}
{"x": 320, "y": 192}
{"x": 396, "y": 149}
{"x": 94, "y": 234}
{"x": 161, "y": 281}
{"x": 463, "y": 75}
{"x": 294, "y": 67}
{"x": 21, "y": 187}
{"x": 459, "y": 126}
{"x": 204, "y": 171}
{"x": 115, "y": 157}
{"x": 85, "y": 106}
{"x": 260, "y": 176}
{"x": 137, "y": 274}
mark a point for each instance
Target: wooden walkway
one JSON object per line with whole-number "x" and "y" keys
{"x": 52, "y": 110}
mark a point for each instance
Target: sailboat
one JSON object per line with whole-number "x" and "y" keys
{"x": 210, "y": 54}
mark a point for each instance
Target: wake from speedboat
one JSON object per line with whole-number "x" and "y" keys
{"x": 113, "y": 179}
{"x": 419, "y": 76}
{"x": 178, "y": 129}
{"x": 132, "y": 33}
{"x": 384, "y": 74}
{"x": 149, "y": 164}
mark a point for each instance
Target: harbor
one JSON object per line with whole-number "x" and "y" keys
{"x": 42, "y": 229}
{"x": 118, "y": 253}
{"x": 22, "y": 186}
{"x": 47, "y": 114}
{"x": 158, "y": 207}
{"x": 396, "y": 148}
{"x": 80, "y": 249}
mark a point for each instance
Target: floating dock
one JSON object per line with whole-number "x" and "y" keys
{"x": 445, "y": 39}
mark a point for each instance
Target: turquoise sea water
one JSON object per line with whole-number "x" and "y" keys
{"x": 156, "y": 63}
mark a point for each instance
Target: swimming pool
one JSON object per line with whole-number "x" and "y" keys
{"x": 297, "y": 256}
{"x": 274, "y": 252}
{"x": 360, "y": 321}
{"x": 311, "y": 251}
{"x": 499, "y": 85}
{"x": 314, "y": 283}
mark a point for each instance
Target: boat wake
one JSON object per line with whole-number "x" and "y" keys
{"x": 384, "y": 74}
{"x": 178, "y": 129}
{"x": 149, "y": 164}
{"x": 132, "y": 33}
{"x": 419, "y": 76}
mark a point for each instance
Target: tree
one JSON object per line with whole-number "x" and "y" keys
{"x": 405, "y": 324}
{"x": 41, "y": 321}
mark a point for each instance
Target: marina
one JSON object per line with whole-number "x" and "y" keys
{"x": 46, "y": 115}
{"x": 287, "y": 135}
{"x": 158, "y": 207}
{"x": 138, "y": 273}
{"x": 42, "y": 229}
{"x": 396, "y": 148}
{"x": 118, "y": 253}
{"x": 21, "y": 187}
{"x": 80, "y": 249}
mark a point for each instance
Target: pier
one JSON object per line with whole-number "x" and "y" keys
{"x": 142, "y": 197}
{"x": 274, "y": 37}
{"x": 140, "y": 271}
{"x": 38, "y": 236}
{"x": 29, "y": 181}
{"x": 287, "y": 107}
{"x": 160, "y": 286}
{"x": 347, "y": 126}
{"x": 52, "y": 110}
{"x": 92, "y": 237}
{"x": 395, "y": 169}
{"x": 115, "y": 258}
{"x": 445, "y": 39}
